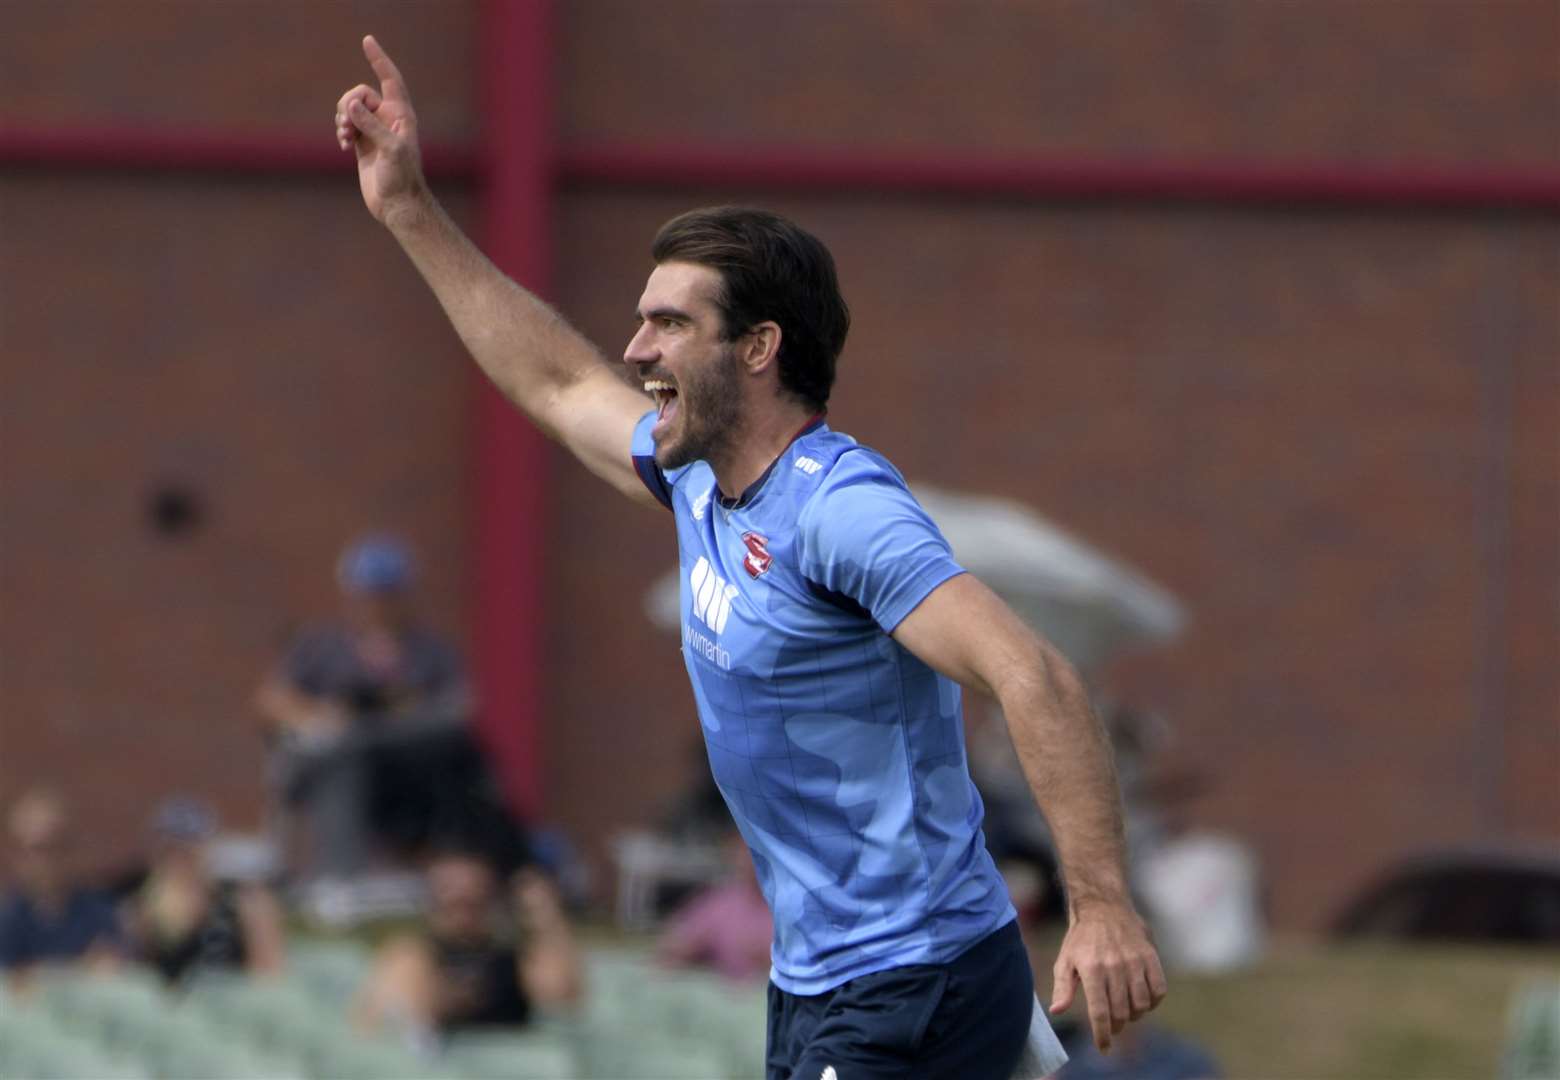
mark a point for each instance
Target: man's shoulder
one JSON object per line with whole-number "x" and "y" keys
{"x": 835, "y": 462}
{"x": 834, "y": 472}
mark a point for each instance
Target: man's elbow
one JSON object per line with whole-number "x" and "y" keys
{"x": 1033, "y": 673}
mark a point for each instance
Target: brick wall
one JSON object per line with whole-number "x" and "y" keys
{"x": 1330, "y": 432}
{"x": 259, "y": 346}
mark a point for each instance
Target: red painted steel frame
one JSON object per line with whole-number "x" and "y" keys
{"x": 828, "y": 170}
{"x": 511, "y": 464}
{"x": 976, "y": 175}
{"x": 83, "y": 147}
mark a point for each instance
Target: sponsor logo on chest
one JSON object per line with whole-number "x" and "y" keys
{"x": 710, "y": 597}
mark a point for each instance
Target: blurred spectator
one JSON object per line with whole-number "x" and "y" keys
{"x": 45, "y": 919}
{"x": 1017, "y": 835}
{"x": 659, "y": 869}
{"x": 182, "y": 920}
{"x": 698, "y": 813}
{"x": 1201, "y": 888}
{"x": 367, "y": 717}
{"x": 1202, "y": 894}
{"x": 1142, "y": 1051}
{"x": 727, "y": 927}
{"x": 480, "y": 961}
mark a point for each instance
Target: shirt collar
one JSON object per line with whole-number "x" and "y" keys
{"x": 813, "y": 423}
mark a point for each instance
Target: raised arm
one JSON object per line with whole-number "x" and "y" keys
{"x": 965, "y": 631}
{"x": 536, "y": 359}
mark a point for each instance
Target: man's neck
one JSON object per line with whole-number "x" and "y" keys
{"x": 763, "y": 438}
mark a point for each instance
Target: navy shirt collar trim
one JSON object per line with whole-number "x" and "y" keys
{"x": 751, "y": 491}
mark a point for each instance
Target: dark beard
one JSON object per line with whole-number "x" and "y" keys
{"x": 711, "y": 408}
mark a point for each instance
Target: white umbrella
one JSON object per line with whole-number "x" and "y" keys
{"x": 1089, "y": 606}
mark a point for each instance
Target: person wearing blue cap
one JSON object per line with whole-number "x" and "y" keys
{"x": 183, "y": 919}
{"x": 379, "y": 564}
{"x": 346, "y": 689}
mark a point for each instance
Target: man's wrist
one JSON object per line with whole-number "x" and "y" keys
{"x": 1083, "y": 902}
{"x": 411, "y": 210}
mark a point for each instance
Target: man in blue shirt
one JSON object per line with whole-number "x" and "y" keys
{"x": 826, "y": 629}
{"x": 45, "y": 920}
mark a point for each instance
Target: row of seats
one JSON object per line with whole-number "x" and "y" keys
{"x": 638, "y": 1021}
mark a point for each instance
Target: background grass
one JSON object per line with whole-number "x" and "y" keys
{"x": 1375, "y": 1011}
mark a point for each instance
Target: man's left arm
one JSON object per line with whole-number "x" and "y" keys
{"x": 964, "y": 630}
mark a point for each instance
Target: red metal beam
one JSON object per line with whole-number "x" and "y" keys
{"x": 851, "y": 170}
{"x": 843, "y": 170}
{"x": 88, "y": 147}
{"x": 512, "y": 458}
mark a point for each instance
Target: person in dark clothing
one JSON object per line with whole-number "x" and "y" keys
{"x": 482, "y": 983}
{"x": 183, "y": 921}
{"x": 1146, "y": 1052}
{"x": 366, "y": 718}
{"x": 45, "y": 920}
{"x": 467, "y": 968}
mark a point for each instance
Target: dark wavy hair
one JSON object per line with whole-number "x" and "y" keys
{"x": 771, "y": 270}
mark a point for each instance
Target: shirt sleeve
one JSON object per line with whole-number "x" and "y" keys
{"x": 863, "y": 536}
{"x": 642, "y": 448}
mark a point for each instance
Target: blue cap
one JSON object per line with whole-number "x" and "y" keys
{"x": 375, "y": 564}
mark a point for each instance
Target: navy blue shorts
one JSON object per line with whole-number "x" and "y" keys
{"x": 967, "y": 1019}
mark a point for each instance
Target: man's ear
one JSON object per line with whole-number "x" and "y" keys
{"x": 761, "y": 347}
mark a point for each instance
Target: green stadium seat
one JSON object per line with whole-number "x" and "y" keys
{"x": 672, "y": 1061}
{"x": 330, "y": 971}
{"x": 112, "y": 1013}
{"x": 639, "y": 1022}
{"x": 32, "y": 1047}
{"x": 268, "y": 1014}
{"x": 353, "y": 1058}
{"x": 511, "y": 1056}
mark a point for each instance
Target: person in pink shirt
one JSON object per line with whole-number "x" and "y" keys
{"x": 726, "y": 927}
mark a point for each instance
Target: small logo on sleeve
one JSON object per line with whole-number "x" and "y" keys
{"x": 758, "y": 557}
{"x": 808, "y": 465}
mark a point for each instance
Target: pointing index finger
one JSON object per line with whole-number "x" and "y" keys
{"x": 390, "y": 82}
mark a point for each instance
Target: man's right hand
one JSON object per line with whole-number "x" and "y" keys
{"x": 382, "y": 128}
{"x": 533, "y": 356}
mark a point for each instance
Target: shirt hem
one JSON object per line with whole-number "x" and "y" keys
{"x": 822, "y": 984}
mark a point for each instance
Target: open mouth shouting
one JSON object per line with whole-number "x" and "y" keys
{"x": 665, "y": 395}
